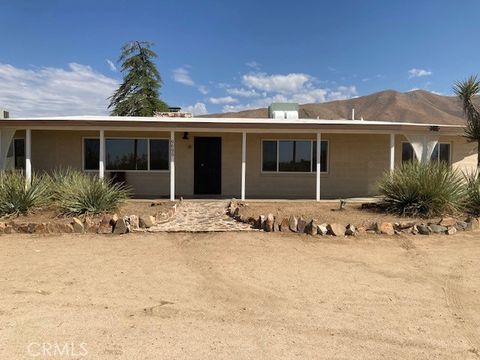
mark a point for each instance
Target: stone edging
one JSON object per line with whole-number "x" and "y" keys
{"x": 108, "y": 224}
{"x": 268, "y": 223}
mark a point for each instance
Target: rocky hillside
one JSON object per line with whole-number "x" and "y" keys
{"x": 388, "y": 105}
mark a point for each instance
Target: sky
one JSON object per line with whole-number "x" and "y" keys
{"x": 59, "y": 57}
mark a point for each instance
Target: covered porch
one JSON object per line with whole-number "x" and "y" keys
{"x": 224, "y": 158}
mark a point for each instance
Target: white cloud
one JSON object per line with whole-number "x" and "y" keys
{"x": 223, "y": 100}
{"x": 253, "y": 64}
{"x": 243, "y": 92}
{"x": 111, "y": 65}
{"x": 203, "y": 89}
{"x": 308, "y": 95}
{"x": 182, "y": 76}
{"x": 289, "y": 83}
{"x": 48, "y": 91}
{"x": 413, "y": 73}
{"x": 198, "y": 109}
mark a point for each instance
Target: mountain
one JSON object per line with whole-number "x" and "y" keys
{"x": 389, "y": 105}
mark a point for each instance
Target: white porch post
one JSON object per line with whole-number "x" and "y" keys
{"x": 28, "y": 158}
{"x": 244, "y": 160}
{"x": 101, "y": 162}
{"x": 172, "y": 165}
{"x": 319, "y": 142}
{"x": 392, "y": 152}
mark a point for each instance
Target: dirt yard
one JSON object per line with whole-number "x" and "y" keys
{"x": 328, "y": 212}
{"x": 240, "y": 295}
{"x": 130, "y": 207}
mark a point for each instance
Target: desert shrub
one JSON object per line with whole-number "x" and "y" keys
{"x": 78, "y": 193}
{"x": 16, "y": 198}
{"x": 472, "y": 200}
{"x": 423, "y": 189}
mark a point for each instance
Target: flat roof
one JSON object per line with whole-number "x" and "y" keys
{"x": 220, "y": 123}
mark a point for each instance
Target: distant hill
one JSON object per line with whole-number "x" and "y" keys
{"x": 389, "y": 105}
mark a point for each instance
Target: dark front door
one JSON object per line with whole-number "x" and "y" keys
{"x": 207, "y": 165}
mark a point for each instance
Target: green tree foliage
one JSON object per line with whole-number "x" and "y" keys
{"x": 138, "y": 95}
{"x": 466, "y": 90}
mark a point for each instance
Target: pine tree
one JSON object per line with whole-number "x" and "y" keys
{"x": 138, "y": 95}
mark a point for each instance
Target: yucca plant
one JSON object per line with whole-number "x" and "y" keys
{"x": 77, "y": 193}
{"x": 472, "y": 201}
{"x": 423, "y": 189}
{"x": 16, "y": 198}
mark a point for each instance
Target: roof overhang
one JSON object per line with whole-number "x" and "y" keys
{"x": 225, "y": 124}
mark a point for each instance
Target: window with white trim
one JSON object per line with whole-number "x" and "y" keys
{"x": 130, "y": 154}
{"x": 441, "y": 152}
{"x": 293, "y": 156}
{"x": 16, "y": 152}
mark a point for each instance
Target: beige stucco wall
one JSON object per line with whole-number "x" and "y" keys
{"x": 355, "y": 163}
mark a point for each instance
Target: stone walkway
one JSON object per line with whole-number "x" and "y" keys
{"x": 201, "y": 216}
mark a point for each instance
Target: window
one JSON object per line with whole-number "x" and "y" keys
{"x": 407, "y": 152}
{"x": 159, "y": 154}
{"x": 441, "y": 152}
{"x": 16, "y": 154}
{"x": 293, "y": 156}
{"x": 269, "y": 156}
{"x": 91, "y": 149}
{"x": 128, "y": 154}
{"x": 19, "y": 153}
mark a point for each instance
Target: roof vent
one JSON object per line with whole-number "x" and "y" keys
{"x": 283, "y": 111}
{"x": 4, "y": 114}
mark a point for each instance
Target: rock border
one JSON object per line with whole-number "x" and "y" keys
{"x": 297, "y": 224}
{"x": 108, "y": 224}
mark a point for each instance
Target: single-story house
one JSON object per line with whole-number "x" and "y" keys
{"x": 282, "y": 156}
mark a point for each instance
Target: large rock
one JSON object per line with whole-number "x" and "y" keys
{"x": 451, "y": 230}
{"x": 447, "y": 221}
{"x": 438, "y": 229}
{"x": 113, "y": 219}
{"x": 146, "y": 222}
{"x": 311, "y": 228}
{"x": 350, "y": 230}
{"x": 269, "y": 223}
{"x": 276, "y": 225}
{"x": 77, "y": 226}
{"x": 301, "y": 225}
{"x": 261, "y": 222}
{"x": 292, "y": 223}
{"x": 285, "y": 225}
{"x": 461, "y": 225}
{"x": 134, "y": 222}
{"x": 370, "y": 225}
{"x": 472, "y": 224}
{"x": 423, "y": 229}
{"x": 386, "y": 228}
{"x": 121, "y": 226}
{"x": 322, "y": 229}
{"x": 404, "y": 225}
{"x": 336, "y": 229}
{"x": 89, "y": 225}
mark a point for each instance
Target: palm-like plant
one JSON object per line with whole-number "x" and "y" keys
{"x": 466, "y": 90}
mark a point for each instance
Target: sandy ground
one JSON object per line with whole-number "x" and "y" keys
{"x": 240, "y": 295}
{"x": 327, "y": 212}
